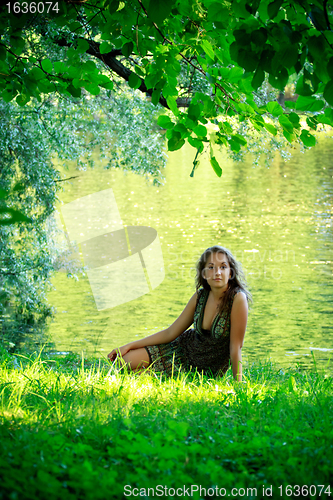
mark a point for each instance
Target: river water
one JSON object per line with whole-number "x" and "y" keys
{"x": 276, "y": 219}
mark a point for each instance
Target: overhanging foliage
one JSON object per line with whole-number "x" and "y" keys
{"x": 231, "y": 45}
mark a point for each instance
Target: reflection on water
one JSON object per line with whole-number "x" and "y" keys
{"x": 277, "y": 220}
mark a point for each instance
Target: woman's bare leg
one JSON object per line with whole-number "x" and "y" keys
{"x": 137, "y": 359}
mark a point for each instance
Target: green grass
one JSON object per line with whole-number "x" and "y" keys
{"x": 83, "y": 429}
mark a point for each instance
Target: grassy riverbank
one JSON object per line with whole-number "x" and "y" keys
{"x": 73, "y": 429}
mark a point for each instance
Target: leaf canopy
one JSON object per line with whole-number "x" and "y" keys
{"x": 205, "y": 61}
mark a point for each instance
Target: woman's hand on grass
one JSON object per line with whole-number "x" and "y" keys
{"x": 119, "y": 351}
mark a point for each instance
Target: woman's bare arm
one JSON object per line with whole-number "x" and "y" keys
{"x": 238, "y": 321}
{"x": 182, "y": 323}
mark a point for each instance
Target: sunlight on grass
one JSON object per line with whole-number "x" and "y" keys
{"x": 69, "y": 423}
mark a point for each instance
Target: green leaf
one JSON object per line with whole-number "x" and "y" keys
{"x": 216, "y": 167}
{"x": 127, "y": 49}
{"x": 290, "y": 104}
{"x": 307, "y": 139}
{"x": 88, "y": 67}
{"x": 73, "y": 91}
{"x": 217, "y": 12}
{"x": 59, "y": 66}
{"x": 328, "y": 93}
{"x": 240, "y": 9}
{"x": 190, "y": 124}
{"x": 36, "y": 74}
{"x": 194, "y": 111}
{"x": 286, "y": 123}
{"x": 327, "y": 118}
{"x": 139, "y": 71}
{"x": 113, "y": 6}
{"x": 167, "y": 90}
{"x": 239, "y": 138}
{"x": 182, "y": 130}
{"x": 158, "y": 10}
{"x": 8, "y": 95}
{"x": 288, "y": 135}
{"x": 92, "y": 88}
{"x": 105, "y": 48}
{"x": 17, "y": 44}
{"x": 164, "y": 122}
{"x": 317, "y": 46}
{"x": 274, "y": 108}
{"x": 208, "y": 49}
{"x": 200, "y": 131}
{"x": 155, "y": 97}
{"x": 235, "y": 74}
{"x": 306, "y": 84}
{"x": 312, "y": 104}
{"x": 287, "y": 56}
{"x": 226, "y": 127}
{"x": 196, "y": 143}
{"x": 78, "y": 83}
{"x": 271, "y": 129}
{"x": 273, "y": 8}
{"x": 258, "y": 78}
{"x": 294, "y": 118}
{"x": 175, "y": 142}
{"x": 134, "y": 81}
{"x": 47, "y": 65}
{"x": 257, "y": 125}
{"x": 279, "y": 79}
{"x": 247, "y": 60}
{"x": 312, "y": 122}
{"x": 105, "y": 82}
{"x": 45, "y": 86}
{"x": 82, "y": 45}
{"x": 259, "y": 37}
{"x": 22, "y": 99}
{"x": 235, "y": 146}
{"x": 172, "y": 103}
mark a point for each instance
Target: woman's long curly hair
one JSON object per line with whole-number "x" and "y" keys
{"x": 236, "y": 282}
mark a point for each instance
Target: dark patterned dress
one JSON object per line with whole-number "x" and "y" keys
{"x": 206, "y": 351}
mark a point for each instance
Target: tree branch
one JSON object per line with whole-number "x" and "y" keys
{"x": 68, "y": 178}
{"x": 189, "y": 61}
{"x": 109, "y": 59}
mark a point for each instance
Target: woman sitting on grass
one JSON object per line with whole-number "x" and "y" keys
{"x": 218, "y": 311}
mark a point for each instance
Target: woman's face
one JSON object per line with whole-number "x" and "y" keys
{"x": 217, "y": 271}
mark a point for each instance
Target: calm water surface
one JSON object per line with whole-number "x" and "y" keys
{"x": 277, "y": 220}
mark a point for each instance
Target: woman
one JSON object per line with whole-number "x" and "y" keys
{"x": 218, "y": 311}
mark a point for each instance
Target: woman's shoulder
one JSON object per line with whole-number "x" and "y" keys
{"x": 240, "y": 294}
{"x": 239, "y": 298}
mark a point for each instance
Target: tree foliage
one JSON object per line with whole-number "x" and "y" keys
{"x": 30, "y": 137}
{"x": 223, "y": 50}
{"x": 28, "y": 184}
